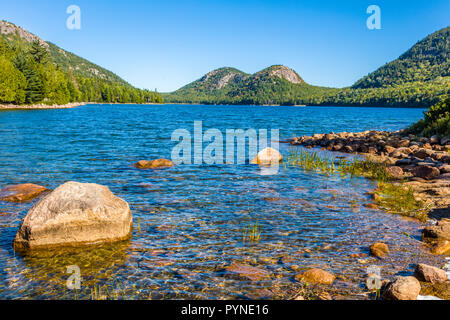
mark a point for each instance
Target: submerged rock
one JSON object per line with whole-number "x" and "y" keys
{"x": 75, "y": 214}
{"x": 428, "y": 273}
{"x": 316, "y": 276}
{"x": 379, "y": 249}
{"x": 268, "y": 156}
{"x": 246, "y": 272}
{"x": 154, "y": 164}
{"x": 21, "y": 192}
{"x": 402, "y": 288}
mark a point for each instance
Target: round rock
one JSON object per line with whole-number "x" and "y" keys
{"x": 402, "y": 288}
{"x": 75, "y": 214}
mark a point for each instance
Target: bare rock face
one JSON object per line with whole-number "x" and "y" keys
{"x": 268, "y": 156}
{"x": 316, "y": 276}
{"x": 379, "y": 249}
{"x": 75, "y": 214}
{"x": 428, "y": 273}
{"x": 7, "y": 28}
{"x": 21, "y": 192}
{"x": 426, "y": 172}
{"x": 402, "y": 288}
{"x": 154, "y": 164}
{"x": 287, "y": 74}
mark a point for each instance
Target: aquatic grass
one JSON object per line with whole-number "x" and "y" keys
{"x": 310, "y": 161}
{"x": 313, "y": 161}
{"x": 365, "y": 168}
{"x": 114, "y": 292}
{"x": 398, "y": 199}
{"x": 392, "y": 197}
{"x": 252, "y": 233}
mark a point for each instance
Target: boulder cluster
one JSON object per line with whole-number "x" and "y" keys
{"x": 426, "y": 158}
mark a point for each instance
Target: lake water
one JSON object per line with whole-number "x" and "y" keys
{"x": 189, "y": 220}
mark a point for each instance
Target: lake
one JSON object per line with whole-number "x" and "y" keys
{"x": 190, "y": 220}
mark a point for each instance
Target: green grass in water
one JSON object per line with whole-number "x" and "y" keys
{"x": 330, "y": 165}
{"x": 398, "y": 199}
{"x": 393, "y": 197}
{"x": 252, "y": 234}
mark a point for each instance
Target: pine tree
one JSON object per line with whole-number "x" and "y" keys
{"x": 39, "y": 52}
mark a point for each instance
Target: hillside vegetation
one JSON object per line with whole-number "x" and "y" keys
{"x": 419, "y": 78}
{"x": 34, "y": 71}
{"x": 435, "y": 122}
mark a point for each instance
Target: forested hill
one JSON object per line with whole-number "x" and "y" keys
{"x": 35, "y": 71}
{"x": 419, "y": 78}
{"x": 274, "y": 85}
{"x": 427, "y": 61}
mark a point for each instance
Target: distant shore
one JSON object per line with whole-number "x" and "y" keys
{"x": 78, "y": 104}
{"x": 41, "y": 106}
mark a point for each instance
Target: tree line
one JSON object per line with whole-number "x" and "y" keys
{"x": 28, "y": 75}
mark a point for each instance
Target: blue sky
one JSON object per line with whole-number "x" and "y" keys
{"x": 167, "y": 44}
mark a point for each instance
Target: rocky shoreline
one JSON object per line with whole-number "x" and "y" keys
{"x": 419, "y": 163}
{"x": 42, "y": 106}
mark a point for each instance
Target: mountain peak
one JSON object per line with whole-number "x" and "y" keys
{"x": 220, "y": 78}
{"x": 283, "y": 72}
{"x": 10, "y": 29}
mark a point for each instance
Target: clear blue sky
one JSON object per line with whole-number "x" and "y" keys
{"x": 167, "y": 44}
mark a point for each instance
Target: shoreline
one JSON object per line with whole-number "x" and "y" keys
{"x": 42, "y": 106}
{"x": 79, "y": 104}
{"x": 416, "y": 161}
{"x": 418, "y": 164}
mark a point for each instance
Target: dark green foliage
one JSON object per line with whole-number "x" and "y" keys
{"x": 39, "y": 52}
{"x": 40, "y": 72}
{"x": 436, "y": 121}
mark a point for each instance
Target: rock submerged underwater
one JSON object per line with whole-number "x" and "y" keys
{"x": 75, "y": 214}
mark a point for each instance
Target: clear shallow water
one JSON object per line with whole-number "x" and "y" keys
{"x": 189, "y": 220}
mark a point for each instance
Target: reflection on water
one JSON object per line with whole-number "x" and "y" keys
{"x": 189, "y": 221}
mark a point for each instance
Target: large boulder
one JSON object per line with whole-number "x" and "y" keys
{"x": 21, "y": 192}
{"x": 426, "y": 172}
{"x": 268, "y": 156}
{"x": 154, "y": 164}
{"x": 316, "y": 276}
{"x": 428, "y": 273}
{"x": 402, "y": 288}
{"x": 75, "y": 214}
